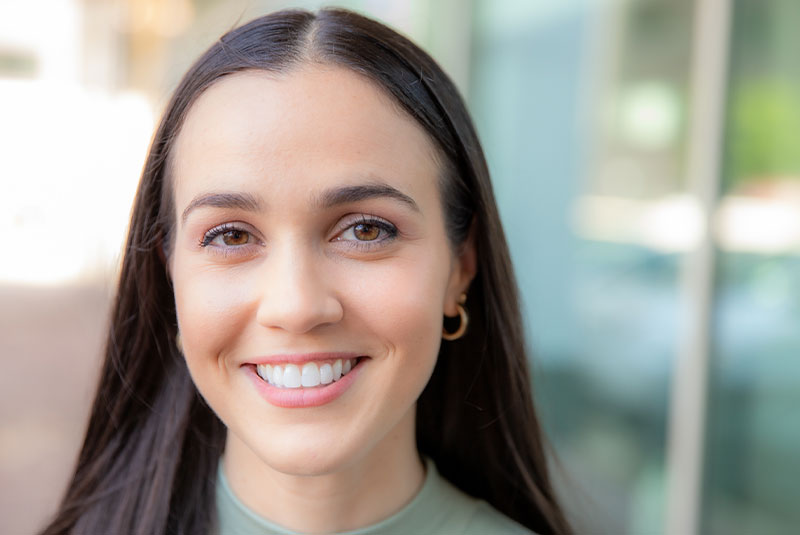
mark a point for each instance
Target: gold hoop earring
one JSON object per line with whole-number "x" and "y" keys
{"x": 179, "y": 343}
{"x": 462, "y": 328}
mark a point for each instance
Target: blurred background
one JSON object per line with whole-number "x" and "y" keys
{"x": 646, "y": 160}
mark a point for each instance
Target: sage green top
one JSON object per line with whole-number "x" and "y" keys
{"x": 438, "y": 508}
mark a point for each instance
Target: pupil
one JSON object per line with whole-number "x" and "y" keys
{"x": 366, "y": 232}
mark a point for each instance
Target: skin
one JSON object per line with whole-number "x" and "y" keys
{"x": 296, "y": 277}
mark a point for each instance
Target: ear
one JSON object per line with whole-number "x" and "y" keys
{"x": 464, "y": 268}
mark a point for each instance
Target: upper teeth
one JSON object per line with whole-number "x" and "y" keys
{"x": 310, "y": 374}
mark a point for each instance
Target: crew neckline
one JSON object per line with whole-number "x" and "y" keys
{"x": 434, "y": 505}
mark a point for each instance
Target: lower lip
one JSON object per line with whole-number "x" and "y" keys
{"x": 296, "y": 398}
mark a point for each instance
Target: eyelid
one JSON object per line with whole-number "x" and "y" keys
{"x": 354, "y": 219}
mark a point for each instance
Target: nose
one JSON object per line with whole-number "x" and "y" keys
{"x": 297, "y": 296}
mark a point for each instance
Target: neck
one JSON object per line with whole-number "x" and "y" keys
{"x": 366, "y": 490}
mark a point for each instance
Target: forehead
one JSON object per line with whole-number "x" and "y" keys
{"x": 312, "y": 122}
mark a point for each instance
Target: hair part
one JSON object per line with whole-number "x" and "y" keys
{"x": 148, "y": 461}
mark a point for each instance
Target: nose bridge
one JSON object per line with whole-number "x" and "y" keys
{"x": 296, "y": 294}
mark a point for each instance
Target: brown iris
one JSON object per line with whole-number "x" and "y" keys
{"x": 235, "y": 237}
{"x": 366, "y": 232}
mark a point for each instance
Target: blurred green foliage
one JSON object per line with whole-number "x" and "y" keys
{"x": 763, "y": 131}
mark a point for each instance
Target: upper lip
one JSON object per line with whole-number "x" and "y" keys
{"x": 302, "y": 357}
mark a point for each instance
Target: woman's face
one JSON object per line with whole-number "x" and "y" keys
{"x": 309, "y": 233}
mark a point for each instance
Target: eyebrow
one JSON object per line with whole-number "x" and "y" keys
{"x": 328, "y": 199}
{"x": 362, "y": 192}
{"x": 243, "y": 201}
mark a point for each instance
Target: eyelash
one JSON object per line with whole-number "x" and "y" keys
{"x": 212, "y": 234}
{"x": 389, "y": 230}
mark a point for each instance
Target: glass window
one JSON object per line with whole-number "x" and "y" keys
{"x": 582, "y": 117}
{"x": 752, "y": 479}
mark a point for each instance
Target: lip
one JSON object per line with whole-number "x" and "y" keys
{"x": 299, "y": 358}
{"x": 303, "y": 397}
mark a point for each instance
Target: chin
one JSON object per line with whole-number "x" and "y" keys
{"x": 309, "y": 462}
{"x": 299, "y": 455}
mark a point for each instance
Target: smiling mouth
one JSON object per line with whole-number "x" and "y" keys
{"x": 307, "y": 375}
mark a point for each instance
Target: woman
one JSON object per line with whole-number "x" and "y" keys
{"x": 315, "y": 202}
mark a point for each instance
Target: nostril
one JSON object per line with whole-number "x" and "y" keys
{"x": 299, "y": 312}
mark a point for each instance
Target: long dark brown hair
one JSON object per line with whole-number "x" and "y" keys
{"x": 149, "y": 458}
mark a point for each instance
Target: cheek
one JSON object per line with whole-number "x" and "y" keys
{"x": 402, "y": 301}
{"x": 212, "y": 308}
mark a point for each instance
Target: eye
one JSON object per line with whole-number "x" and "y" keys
{"x": 227, "y": 236}
{"x": 366, "y": 231}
